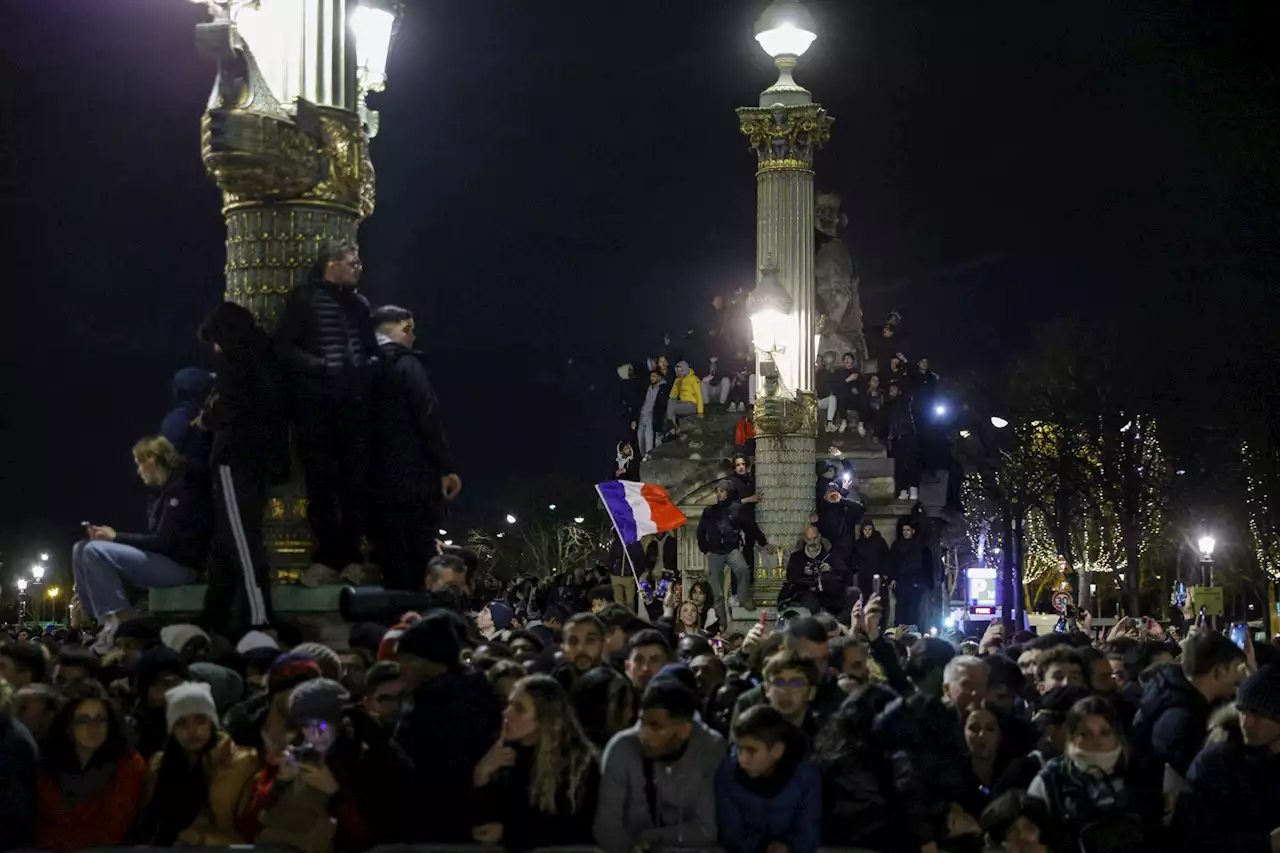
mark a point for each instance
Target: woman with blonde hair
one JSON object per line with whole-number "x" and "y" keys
{"x": 537, "y": 786}
{"x": 177, "y": 539}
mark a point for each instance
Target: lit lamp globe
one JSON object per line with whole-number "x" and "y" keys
{"x": 786, "y": 30}
{"x": 1206, "y": 545}
{"x": 37, "y": 572}
{"x": 771, "y": 328}
{"x": 22, "y": 585}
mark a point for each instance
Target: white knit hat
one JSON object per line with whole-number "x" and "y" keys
{"x": 256, "y": 640}
{"x": 176, "y": 637}
{"x": 191, "y": 697}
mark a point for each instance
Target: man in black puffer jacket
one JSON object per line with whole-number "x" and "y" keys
{"x": 720, "y": 537}
{"x": 413, "y": 470}
{"x": 325, "y": 340}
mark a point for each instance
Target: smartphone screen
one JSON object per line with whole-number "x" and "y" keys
{"x": 875, "y": 585}
{"x": 1240, "y": 634}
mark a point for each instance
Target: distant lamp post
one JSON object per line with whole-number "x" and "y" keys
{"x": 53, "y": 594}
{"x": 22, "y": 599}
{"x": 22, "y": 585}
{"x": 44, "y": 557}
{"x": 785, "y": 129}
{"x": 511, "y": 519}
{"x": 37, "y": 572}
{"x": 1206, "y": 543}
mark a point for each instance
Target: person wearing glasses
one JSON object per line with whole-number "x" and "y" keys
{"x": 90, "y": 783}
{"x": 325, "y": 340}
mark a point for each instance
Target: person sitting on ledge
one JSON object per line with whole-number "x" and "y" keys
{"x": 176, "y": 541}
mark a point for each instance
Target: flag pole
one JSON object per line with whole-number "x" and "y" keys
{"x": 642, "y": 612}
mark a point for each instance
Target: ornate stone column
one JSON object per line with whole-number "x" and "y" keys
{"x": 285, "y": 136}
{"x": 784, "y": 131}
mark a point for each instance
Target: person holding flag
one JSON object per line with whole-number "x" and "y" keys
{"x": 638, "y": 510}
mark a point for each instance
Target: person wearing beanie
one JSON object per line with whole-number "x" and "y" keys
{"x": 262, "y": 722}
{"x": 226, "y": 684}
{"x": 256, "y": 640}
{"x": 193, "y": 789}
{"x": 1234, "y": 786}
{"x": 452, "y": 720}
{"x": 328, "y": 660}
{"x": 189, "y": 641}
{"x": 334, "y": 787}
{"x": 159, "y": 669}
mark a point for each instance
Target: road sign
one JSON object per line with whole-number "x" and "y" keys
{"x": 1208, "y": 597}
{"x": 1062, "y": 599}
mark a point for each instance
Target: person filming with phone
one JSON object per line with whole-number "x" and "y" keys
{"x": 180, "y": 521}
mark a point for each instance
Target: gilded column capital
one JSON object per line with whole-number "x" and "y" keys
{"x": 786, "y": 416}
{"x": 785, "y": 137}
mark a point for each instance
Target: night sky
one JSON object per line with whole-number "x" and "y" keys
{"x": 562, "y": 180}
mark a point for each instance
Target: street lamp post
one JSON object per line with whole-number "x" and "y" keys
{"x": 285, "y": 136}
{"x": 784, "y": 130}
{"x": 22, "y": 600}
{"x": 37, "y": 575}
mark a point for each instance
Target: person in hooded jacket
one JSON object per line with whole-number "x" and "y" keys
{"x": 870, "y": 557}
{"x": 627, "y": 465}
{"x": 325, "y": 339}
{"x": 198, "y": 781}
{"x": 903, "y": 445}
{"x": 856, "y": 776}
{"x": 767, "y": 792}
{"x": 248, "y": 419}
{"x": 191, "y": 387}
{"x": 414, "y": 470}
{"x": 1171, "y": 723}
{"x": 911, "y": 570}
{"x": 720, "y": 537}
{"x": 686, "y": 395}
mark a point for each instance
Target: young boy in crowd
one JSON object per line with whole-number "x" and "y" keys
{"x": 768, "y": 797}
{"x": 1059, "y": 668}
{"x": 790, "y": 685}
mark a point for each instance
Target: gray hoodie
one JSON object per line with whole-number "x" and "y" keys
{"x": 684, "y": 794}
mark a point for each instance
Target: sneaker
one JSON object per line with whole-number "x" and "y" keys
{"x": 862, "y": 431}
{"x": 915, "y": 494}
{"x": 844, "y": 425}
{"x": 733, "y": 601}
{"x": 903, "y": 496}
{"x": 320, "y": 575}
{"x": 831, "y": 427}
{"x": 106, "y": 637}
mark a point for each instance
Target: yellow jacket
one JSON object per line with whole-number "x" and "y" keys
{"x": 229, "y": 768}
{"x": 688, "y": 389}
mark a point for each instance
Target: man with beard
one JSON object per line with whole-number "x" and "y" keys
{"x": 816, "y": 577}
{"x": 657, "y": 786}
{"x": 582, "y": 645}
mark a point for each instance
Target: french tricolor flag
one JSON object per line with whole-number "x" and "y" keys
{"x": 639, "y": 509}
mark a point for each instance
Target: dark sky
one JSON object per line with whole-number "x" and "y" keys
{"x": 564, "y": 180}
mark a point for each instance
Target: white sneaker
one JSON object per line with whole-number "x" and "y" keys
{"x": 915, "y": 494}
{"x": 844, "y": 425}
{"x": 862, "y": 431}
{"x": 902, "y": 495}
{"x": 733, "y": 601}
{"x": 106, "y": 637}
{"x": 320, "y": 575}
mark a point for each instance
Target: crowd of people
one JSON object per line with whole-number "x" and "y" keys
{"x": 544, "y": 715}
{"x": 369, "y": 434}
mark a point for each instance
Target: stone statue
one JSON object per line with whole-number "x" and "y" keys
{"x": 836, "y": 284}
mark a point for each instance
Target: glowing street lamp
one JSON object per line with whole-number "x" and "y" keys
{"x": 443, "y": 532}
{"x": 551, "y": 507}
{"x": 44, "y": 557}
{"x": 511, "y": 519}
{"x": 772, "y": 332}
{"x": 577, "y": 519}
{"x": 37, "y": 572}
{"x": 998, "y": 422}
{"x": 22, "y": 586}
{"x": 1206, "y": 545}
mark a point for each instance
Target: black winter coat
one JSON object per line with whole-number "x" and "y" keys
{"x": 720, "y": 528}
{"x": 179, "y": 522}
{"x": 248, "y": 411}
{"x": 923, "y": 743}
{"x": 411, "y": 452}
{"x": 901, "y": 423}
{"x": 1232, "y": 799}
{"x": 505, "y": 800}
{"x": 452, "y": 721}
{"x": 1172, "y": 720}
{"x": 870, "y": 558}
{"x": 912, "y": 563}
{"x": 19, "y": 764}
{"x": 803, "y": 571}
{"x": 325, "y": 339}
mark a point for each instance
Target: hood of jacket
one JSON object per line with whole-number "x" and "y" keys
{"x": 770, "y": 786}
{"x": 1169, "y": 688}
{"x": 191, "y": 386}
